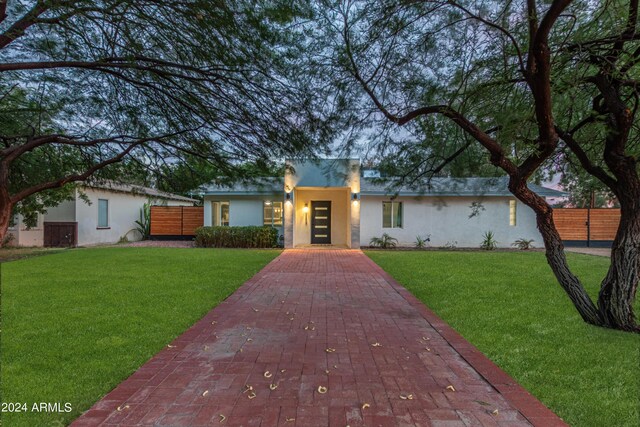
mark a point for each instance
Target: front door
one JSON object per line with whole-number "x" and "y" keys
{"x": 321, "y": 222}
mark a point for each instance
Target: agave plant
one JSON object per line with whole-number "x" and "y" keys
{"x": 489, "y": 242}
{"x": 384, "y": 242}
{"x": 144, "y": 223}
{"x": 523, "y": 244}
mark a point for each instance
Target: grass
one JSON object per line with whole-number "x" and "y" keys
{"x": 509, "y": 305}
{"x": 77, "y": 323}
{"x": 15, "y": 253}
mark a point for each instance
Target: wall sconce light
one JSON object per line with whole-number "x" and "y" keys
{"x": 305, "y": 209}
{"x": 267, "y": 203}
{"x": 355, "y": 197}
{"x": 287, "y": 196}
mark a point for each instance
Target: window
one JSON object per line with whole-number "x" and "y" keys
{"x": 272, "y": 213}
{"x": 391, "y": 214}
{"x": 220, "y": 214}
{"x": 103, "y": 213}
{"x": 512, "y": 212}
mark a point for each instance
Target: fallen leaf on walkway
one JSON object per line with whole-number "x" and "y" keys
{"x": 283, "y": 370}
{"x": 243, "y": 335}
{"x": 214, "y": 322}
{"x": 205, "y": 393}
{"x": 267, "y": 374}
{"x": 330, "y": 350}
{"x": 427, "y": 348}
{"x": 222, "y": 418}
{"x": 321, "y": 389}
{"x": 240, "y": 350}
{"x": 120, "y": 408}
{"x": 251, "y": 395}
{"x": 205, "y": 348}
{"x": 249, "y": 328}
{"x": 450, "y": 387}
{"x": 171, "y": 346}
{"x": 376, "y": 344}
{"x": 273, "y": 386}
{"x": 410, "y": 396}
{"x": 365, "y": 406}
{"x": 282, "y": 302}
{"x": 426, "y": 339}
{"x": 247, "y": 388}
{"x": 403, "y": 397}
{"x": 249, "y": 339}
{"x": 495, "y": 412}
{"x": 289, "y": 419}
{"x": 335, "y": 366}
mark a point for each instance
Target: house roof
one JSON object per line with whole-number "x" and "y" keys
{"x": 257, "y": 186}
{"x": 451, "y": 187}
{"x": 378, "y": 187}
{"x": 137, "y": 189}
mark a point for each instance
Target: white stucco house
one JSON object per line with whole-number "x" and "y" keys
{"x": 110, "y": 214}
{"x": 329, "y": 202}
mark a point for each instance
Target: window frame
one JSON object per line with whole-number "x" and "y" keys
{"x": 394, "y": 214}
{"x": 513, "y": 213}
{"x": 216, "y": 213}
{"x": 108, "y": 219}
{"x": 272, "y": 207}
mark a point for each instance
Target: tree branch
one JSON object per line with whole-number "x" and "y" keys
{"x": 21, "y": 25}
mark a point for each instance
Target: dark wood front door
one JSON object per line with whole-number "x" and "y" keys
{"x": 321, "y": 222}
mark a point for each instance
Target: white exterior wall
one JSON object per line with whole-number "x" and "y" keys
{"x": 447, "y": 220}
{"x": 243, "y": 210}
{"x": 124, "y": 210}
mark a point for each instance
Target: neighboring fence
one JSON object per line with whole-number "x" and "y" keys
{"x": 176, "y": 221}
{"x": 591, "y": 227}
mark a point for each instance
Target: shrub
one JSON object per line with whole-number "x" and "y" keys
{"x": 144, "y": 223}
{"x": 421, "y": 242}
{"x": 237, "y": 237}
{"x": 384, "y": 242}
{"x": 523, "y": 244}
{"x": 489, "y": 243}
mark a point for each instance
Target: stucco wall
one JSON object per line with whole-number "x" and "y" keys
{"x": 124, "y": 210}
{"x": 447, "y": 220}
{"x": 64, "y": 212}
{"x": 243, "y": 210}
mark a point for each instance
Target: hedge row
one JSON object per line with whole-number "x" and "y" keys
{"x": 237, "y": 237}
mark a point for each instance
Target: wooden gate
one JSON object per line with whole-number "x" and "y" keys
{"x": 60, "y": 234}
{"x": 590, "y": 227}
{"x": 175, "y": 221}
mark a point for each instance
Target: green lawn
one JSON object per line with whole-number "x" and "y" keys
{"x": 509, "y": 305}
{"x": 77, "y": 323}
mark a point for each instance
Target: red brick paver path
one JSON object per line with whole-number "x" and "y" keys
{"x": 343, "y": 344}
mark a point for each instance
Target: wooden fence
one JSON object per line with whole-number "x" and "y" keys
{"x": 176, "y": 220}
{"x": 587, "y": 225}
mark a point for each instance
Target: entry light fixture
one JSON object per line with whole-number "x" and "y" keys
{"x": 287, "y": 196}
{"x": 355, "y": 197}
{"x": 305, "y": 209}
{"x": 267, "y": 203}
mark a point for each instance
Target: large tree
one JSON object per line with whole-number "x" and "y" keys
{"x": 86, "y": 84}
{"x": 534, "y": 84}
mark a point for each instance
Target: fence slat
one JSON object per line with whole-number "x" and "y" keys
{"x": 176, "y": 220}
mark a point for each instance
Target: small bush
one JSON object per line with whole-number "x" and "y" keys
{"x": 237, "y": 237}
{"x": 489, "y": 243}
{"x": 421, "y": 242}
{"x": 523, "y": 244}
{"x": 384, "y": 242}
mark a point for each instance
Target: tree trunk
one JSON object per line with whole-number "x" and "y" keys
{"x": 6, "y": 207}
{"x": 618, "y": 289}
{"x": 555, "y": 253}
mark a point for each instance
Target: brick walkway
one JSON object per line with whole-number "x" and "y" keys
{"x": 323, "y": 338}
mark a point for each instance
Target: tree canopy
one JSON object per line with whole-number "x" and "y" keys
{"x": 87, "y": 84}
